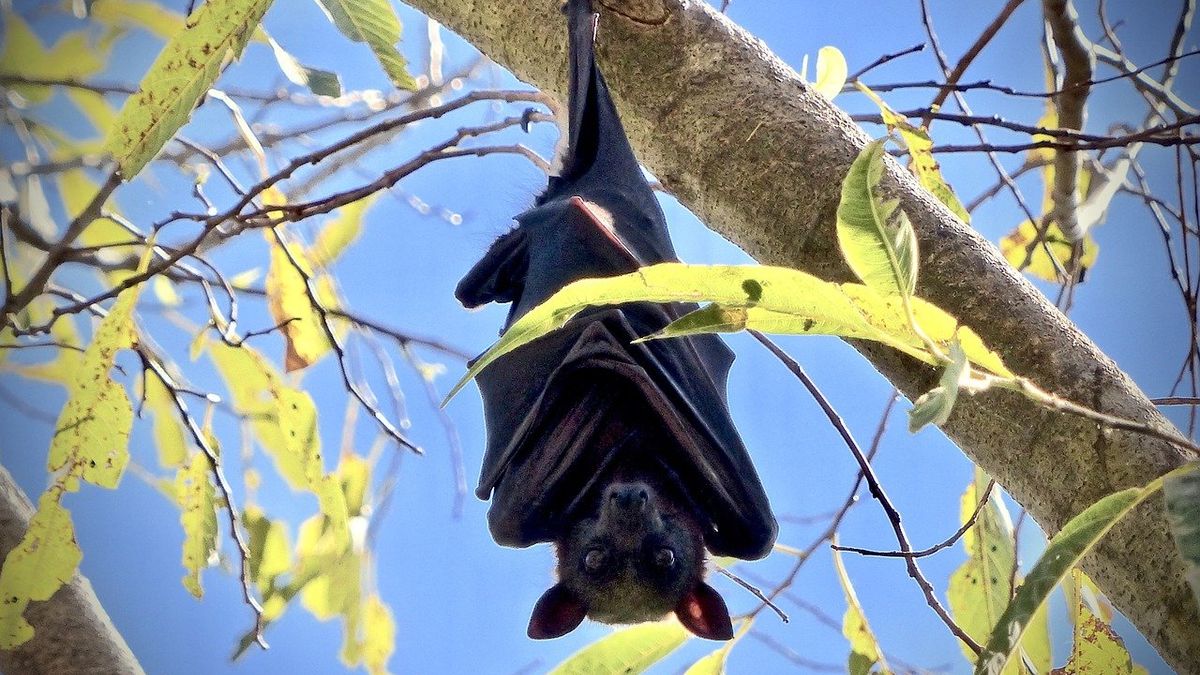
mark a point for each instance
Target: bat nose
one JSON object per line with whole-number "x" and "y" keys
{"x": 632, "y": 497}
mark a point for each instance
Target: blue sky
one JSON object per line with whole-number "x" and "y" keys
{"x": 461, "y": 603}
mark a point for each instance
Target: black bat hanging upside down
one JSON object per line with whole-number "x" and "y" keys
{"x": 623, "y": 455}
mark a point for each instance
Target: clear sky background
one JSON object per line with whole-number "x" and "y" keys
{"x": 461, "y": 603}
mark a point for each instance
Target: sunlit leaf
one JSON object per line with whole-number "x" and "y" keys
{"x": 920, "y": 151}
{"x": 935, "y": 406}
{"x": 71, "y": 58}
{"x": 337, "y": 234}
{"x": 91, "y": 438}
{"x": 320, "y": 82}
{"x": 379, "y": 635}
{"x": 712, "y": 664}
{"x": 1183, "y": 512}
{"x": 288, "y": 300}
{"x": 284, "y": 419}
{"x": 354, "y": 472}
{"x": 197, "y": 500}
{"x": 864, "y": 648}
{"x": 875, "y": 235}
{"x": 1015, "y": 247}
{"x": 980, "y": 589}
{"x": 831, "y": 72}
{"x": 337, "y": 591}
{"x": 184, "y": 70}
{"x": 150, "y": 16}
{"x": 1096, "y": 647}
{"x": 770, "y": 299}
{"x": 270, "y": 550}
{"x": 168, "y": 430}
{"x": 45, "y": 559}
{"x": 628, "y": 650}
{"x": 1062, "y": 553}
{"x": 375, "y": 23}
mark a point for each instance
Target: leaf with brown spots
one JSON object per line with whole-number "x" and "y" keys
{"x": 188, "y": 65}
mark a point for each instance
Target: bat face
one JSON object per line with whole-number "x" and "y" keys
{"x": 622, "y": 455}
{"x": 636, "y": 557}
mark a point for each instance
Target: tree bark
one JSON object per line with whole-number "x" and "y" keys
{"x": 72, "y": 634}
{"x": 733, "y": 132}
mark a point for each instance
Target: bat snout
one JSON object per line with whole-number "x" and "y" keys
{"x": 629, "y": 497}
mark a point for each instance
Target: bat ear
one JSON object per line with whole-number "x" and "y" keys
{"x": 556, "y": 613}
{"x": 703, "y": 611}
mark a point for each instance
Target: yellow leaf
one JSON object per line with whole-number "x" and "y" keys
{"x": 45, "y": 559}
{"x": 198, "y": 516}
{"x": 270, "y": 550}
{"x": 864, "y": 648}
{"x": 164, "y": 290}
{"x": 91, "y": 437}
{"x": 284, "y": 419}
{"x": 71, "y": 58}
{"x": 831, "y": 72}
{"x": 1015, "y": 245}
{"x": 379, "y": 636}
{"x": 1097, "y": 648}
{"x": 355, "y": 475}
{"x": 168, "y": 430}
{"x": 288, "y": 299}
{"x": 340, "y": 232}
{"x": 920, "y": 150}
{"x": 150, "y": 16}
{"x": 337, "y": 591}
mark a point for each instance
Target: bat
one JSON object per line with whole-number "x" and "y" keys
{"x": 623, "y": 455}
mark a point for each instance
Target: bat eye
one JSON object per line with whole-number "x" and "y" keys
{"x": 664, "y": 557}
{"x": 594, "y": 560}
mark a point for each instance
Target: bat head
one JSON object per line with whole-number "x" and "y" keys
{"x": 636, "y": 557}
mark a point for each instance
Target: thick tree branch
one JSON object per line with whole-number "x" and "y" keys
{"x": 71, "y": 632}
{"x": 693, "y": 88}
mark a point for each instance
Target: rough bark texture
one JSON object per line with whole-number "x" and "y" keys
{"x": 734, "y": 134}
{"x": 72, "y": 634}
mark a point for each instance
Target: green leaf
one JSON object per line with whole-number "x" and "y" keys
{"x": 1182, "y": 492}
{"x": 712, "y": 664}
{"x": 375, "y": 23}
{"x": 45, "y": 559}
{"x": 770, "y": 299}
{"x": 197, "y": 499}
{"x": 831, "y": 72}
{"x": 71, "y": 58}
{"x": 920, "y": 152}
{"x": 1062, "y": 553}
{"x": 875, "y": 235}
{"x": 187, "y": 66}
{"x": 319, "y": 82}
{"x": 935, "y": 406}
{"x": 864, "y": 648}
{"x": 91, "y": 438}
{"x": 628, "y": 650}
{"x": 270, "y": 550}
{"x": 980, "y": 589}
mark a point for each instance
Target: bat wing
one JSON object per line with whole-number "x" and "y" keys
{"x": 559, "y": 410}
